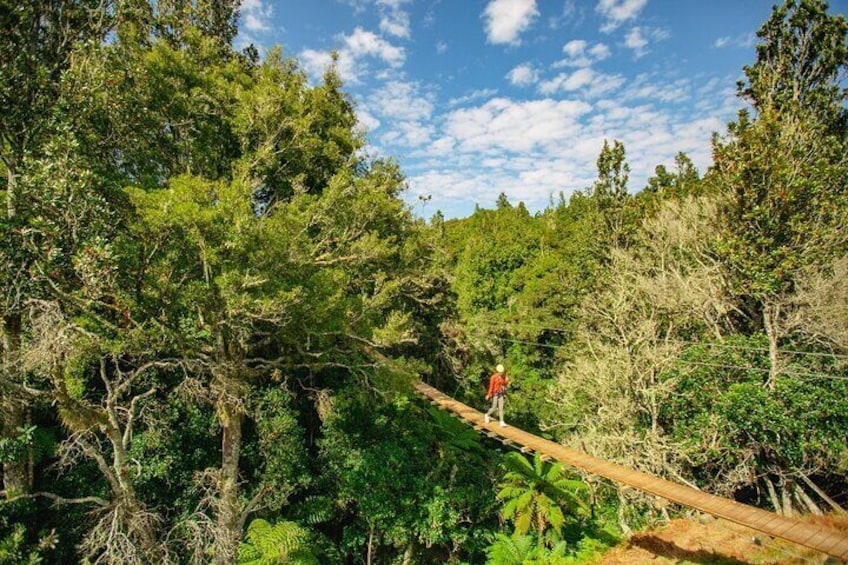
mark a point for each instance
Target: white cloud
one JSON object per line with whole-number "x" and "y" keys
{"x": 571, "y": 13}
{"x": 394, "y": 25}
{"x": 401, "y": 101}
{"x": 405, "y": 113}
{"x": 254, "y": 23}
{"x": 523, "y": 75}
{"x": 592, "y": 83}
{"x": 537, "y": 148}
{"x": 359, "y": 45}
{"x": 575, "y": 48}
{"x": 366, "y": 119}
{"x": 408, "y": 134}
{"x": 393, "y": 19}
{"x": 617, "y": 12}
{"x": 255, "y": 19}
{"x": 442, "y": 146}
{"x": 505, "y": 20}
{"x": 645, "y": 87}
{"x": 638, "y": 39}
{"x": 441, "y": 47}
{"x": 316, "y": 62}
{"x": 505, "y": 125}
{"x": 472, "y": 96}
{"x": 743, "y": 41}
{"x": 578, "y": 53}
{"x": 255, "y": 15}
{"x": 363, "y": 43}
{"x": 359, "y": 6}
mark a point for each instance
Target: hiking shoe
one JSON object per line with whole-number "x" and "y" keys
{"x": 503, "y": 425}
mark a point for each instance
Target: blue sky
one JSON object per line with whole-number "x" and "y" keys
{"x": 478, "y": 97}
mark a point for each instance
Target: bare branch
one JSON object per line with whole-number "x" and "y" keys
{"x": 58, "y": 500}
{"x": 131, "y": 415}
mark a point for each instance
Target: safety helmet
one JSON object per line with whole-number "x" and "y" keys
{"x": 499, "y": 368}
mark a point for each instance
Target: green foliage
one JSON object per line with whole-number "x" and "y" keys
{"x": 538, "y": 495}
{"x": 12, "y": 448}
{"x": 507, "y": 550}
{"x": 36, "y": 48}
{"x": 173, "y": 450}
{"x": 172, "y": 201}
{"x": 19, "y": 545}
{"x": 284, "y": 543}
{"x": 12, "y": 548}
{"x": 404, "y": 480}
{"x": 613, "y": 173}
{"x": 800, "y": 56}
{"x": 684, "y": 182}
{"x": 785, "y": 171}
{"x": 317, "y": 509}
{"x": 280, "y": 454}
{"x": 35, "y": 440}
{"x": 543, "y": 288}
{"x": 454, "y": 435}
{"x": 611, "y": 196}
{"x": 785, "y": 209}
{"x": 523, "y": 550}
{"x": 734, "y": 427}
{"x": 502, "y": 242}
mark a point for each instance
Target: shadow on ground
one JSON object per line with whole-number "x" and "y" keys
{"x": 669, "y": 549}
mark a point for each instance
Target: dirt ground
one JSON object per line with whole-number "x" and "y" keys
{"x": 707, "y": 540}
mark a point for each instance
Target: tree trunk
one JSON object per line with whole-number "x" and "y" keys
{"x": 15, "y": 475}
{"x": 805, "y": 500}
{"x": 771, "y": 312}
{"x": 407, "y": 554}
{"x": 135, "y": 519}
{"x": 30, "y": 462}
{"x": 622, "y": 519}
{"x": 786, "y": 496}
{"x": 822, "y": 494}
{"x": 370, "y": 545}
{"x": 11, "y": 190}
{"x": 229, "y": 511}
{"x": 773, "y": 495}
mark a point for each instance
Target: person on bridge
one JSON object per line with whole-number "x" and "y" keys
{"x": 498, "y": 385}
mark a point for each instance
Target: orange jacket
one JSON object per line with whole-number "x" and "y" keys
{"x": 497, "y": 384}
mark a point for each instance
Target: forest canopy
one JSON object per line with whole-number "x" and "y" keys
{"x": 214, "y": 305}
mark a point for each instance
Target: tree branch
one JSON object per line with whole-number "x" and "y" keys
{"x": 59, "y": 499}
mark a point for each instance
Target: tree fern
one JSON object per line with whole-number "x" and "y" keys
{"x": 454, "y": 434}
{"x": 315, "y": 510}
{"x": 535, "y": 495}
{"x": 523, "y": 550}
{"x": 508, "y": 550}
{"x": 285, "y": 543}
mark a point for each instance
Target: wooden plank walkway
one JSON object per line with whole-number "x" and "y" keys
{"x": 826, "y": 540}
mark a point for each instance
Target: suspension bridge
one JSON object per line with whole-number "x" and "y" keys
{"x": 825, "y": 540}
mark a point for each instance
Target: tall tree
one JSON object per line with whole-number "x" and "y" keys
{"x": 613, "y": 174}
{"x": 610, "y": 190}
{"x": 801, "y": 54}
{"x": 35, "y": 49}
{"x": 785, "y": 170}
